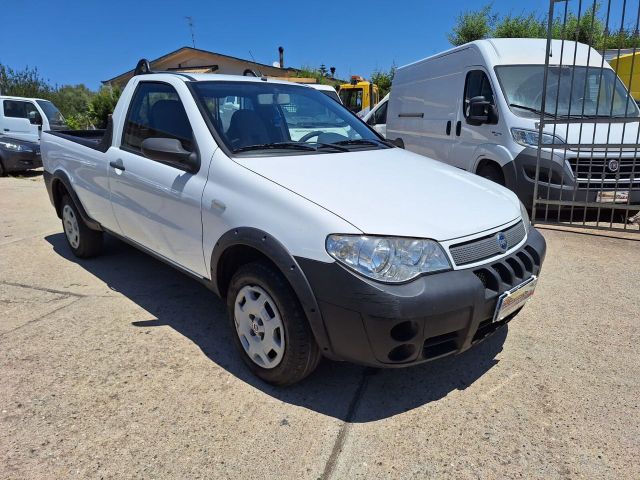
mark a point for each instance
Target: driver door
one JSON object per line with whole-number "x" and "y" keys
{"x": 158, "y": 205}
{"x": 469, "y": 137}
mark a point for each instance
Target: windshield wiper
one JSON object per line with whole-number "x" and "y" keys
{"x": 531, "y": 109}
{"x": 276, "y": 146}
{"x": 330, "y": 145}
{"x": 363, "y": 141}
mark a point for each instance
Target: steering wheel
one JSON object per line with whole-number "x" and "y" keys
{"x": 315, "y": 133}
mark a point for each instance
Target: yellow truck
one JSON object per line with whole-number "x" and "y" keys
{"x": 359, "y": 96}
{"x": 628, "y": 70}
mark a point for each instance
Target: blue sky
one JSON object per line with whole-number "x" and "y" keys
{"x": 84, "y": 42}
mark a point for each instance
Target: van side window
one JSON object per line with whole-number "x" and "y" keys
{"x": 156, "y": 111}
{"x": 18, "y": 109}
{"x": 476, "y": 85}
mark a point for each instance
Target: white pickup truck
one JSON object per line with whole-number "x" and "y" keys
{"x": 334, "y": 244}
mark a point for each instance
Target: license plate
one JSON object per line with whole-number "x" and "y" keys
{"x": 515, "y": 298}
{"x": 611, "y": 196}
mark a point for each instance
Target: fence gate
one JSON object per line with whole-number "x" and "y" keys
{"x": 587, "y": 172}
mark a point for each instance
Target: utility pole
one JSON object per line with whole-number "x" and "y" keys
{"x": 193, "y": 38}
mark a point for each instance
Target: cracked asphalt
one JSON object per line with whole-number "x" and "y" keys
{"x": 120, "y": 367}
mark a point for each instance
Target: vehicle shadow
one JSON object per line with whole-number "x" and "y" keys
{"x": 26, "y": 173}
{"x": 347, "y": 392}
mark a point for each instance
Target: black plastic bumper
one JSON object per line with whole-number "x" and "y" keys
{"x": 435, "y": 315}
{"x": 556, "y": 180}
{"x": 20, "y": 161}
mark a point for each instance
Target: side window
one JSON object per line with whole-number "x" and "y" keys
{"x": 18, "y": 109}
{"x": 381, "y": 114}
{"x": 477, "y": 84}
{"x": 156, "y": 111}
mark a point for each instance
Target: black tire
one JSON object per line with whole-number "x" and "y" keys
{"x": 89, "y": 241}
{"x": 493, "y": 172}
{"x": 301, "y": 352}
{"x": 2, "y": 172}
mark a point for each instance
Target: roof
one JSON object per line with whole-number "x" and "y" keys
{"x": 219, "y": 77}
{"x": 528, "y": 51}
{"x": 181, "y": 50}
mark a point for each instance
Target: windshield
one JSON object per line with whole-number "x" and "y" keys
{"x": 594, "y": 91}
{"x": 331, "y": 94}
{"x": 352, "y": 98}
{"x": 262, "y": 117}
{"x": 52, "y": 112}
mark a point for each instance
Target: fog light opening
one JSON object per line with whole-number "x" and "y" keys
{"x": 401, "y": 353}
{"x": 405, "y": 331}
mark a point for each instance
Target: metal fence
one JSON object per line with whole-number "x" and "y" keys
{"x": 587, "y": 170}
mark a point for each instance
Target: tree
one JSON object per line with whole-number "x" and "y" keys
{"x": 23, "y": 83}
{"x": 102, "y": 105}
{"x": 520, "y": 26}
{"x": 472, "y": 25}
{"x": 72, "y": 99}
{"x": 383, "y": 80}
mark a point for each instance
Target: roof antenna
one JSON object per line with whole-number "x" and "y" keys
{"x": 254, "y": 61}
{"x": 190, "y": 23}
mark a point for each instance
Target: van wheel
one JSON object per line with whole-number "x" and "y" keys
{"x": 271, "y": 329}
{"x": 2, "y": 172}
{"x": 83, "y": 241}
{"x": 493, "y": 172}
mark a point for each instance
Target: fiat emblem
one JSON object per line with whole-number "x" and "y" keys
{"x": 613, "y": 165}
{"x": 501, "y": 240}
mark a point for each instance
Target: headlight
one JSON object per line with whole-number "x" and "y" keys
{"x": 388, "y": 259}
{"x": 525, "y": 217}
{"x": 14, "y": 147}
{"x": 529, "y": 138}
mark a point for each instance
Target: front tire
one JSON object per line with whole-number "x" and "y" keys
{"x": 83, "y": 242}
{"x": 493, "y": 172}
{"x": 269, "y": 325}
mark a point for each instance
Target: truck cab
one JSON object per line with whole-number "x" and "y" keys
{"x": 25, "y": 118}
{"x": 359, "y": 96}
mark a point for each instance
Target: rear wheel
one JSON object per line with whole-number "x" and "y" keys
{"x": 270, "y": 327}
{"x": 491, "y": 171}
{"x": 83, "y": 241}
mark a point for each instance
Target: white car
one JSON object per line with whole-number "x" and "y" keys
{"x": 24, "y": 118}
{"x": 336, "y": 245}
{"x": 476, "y": 107}
{"x": 377, "y": 118}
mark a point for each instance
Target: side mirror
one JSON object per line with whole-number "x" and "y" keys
{"x": 480, "y": 110}
{"x": 35, "y": 118}
{"x": 170, "y": 152}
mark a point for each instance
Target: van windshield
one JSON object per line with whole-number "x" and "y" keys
{"x": 580, "y": 91}
{"x": 260, "y": 118}
{"x": 51, "y": 111}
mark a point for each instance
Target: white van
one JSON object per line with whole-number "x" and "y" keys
{"x": 477, "y": 106}
{"x": 25, "y": 118}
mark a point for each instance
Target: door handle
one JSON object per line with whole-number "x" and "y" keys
{"x": 448, "y": 127}
{"x": 458, "y": 128}
{"x": 118, "y": 165}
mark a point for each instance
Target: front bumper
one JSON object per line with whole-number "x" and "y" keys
{"x": 556, "y": 181}
{"x": 20, "y": 161}
{"x": 435, "y": 315}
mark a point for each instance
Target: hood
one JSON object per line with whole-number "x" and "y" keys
{"x": 393, "y": 192}
{"x": 598, "y": 133}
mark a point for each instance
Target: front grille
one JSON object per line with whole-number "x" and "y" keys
{"x": 486, "y": 247}
{"x": 595, "y": 172}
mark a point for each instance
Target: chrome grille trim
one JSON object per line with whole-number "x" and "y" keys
{"x": 486, "y": 247}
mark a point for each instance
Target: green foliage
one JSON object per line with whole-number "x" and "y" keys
{"x": 383, "y": 80}
{"x": 589, "y": 28}
{"x": 23, "y": 83}
{"x": 102, "y": 105}
{"x": 321, "y": 75}
{"x": 520, "y": 26}
{"x": 72, "y": 99}
{"x": 79, "y": 121}
{"x": 472, "y": 25}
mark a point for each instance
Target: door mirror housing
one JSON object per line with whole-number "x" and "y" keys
{"x": 35, "y": 118}
{"x": 171, "y": 152}
{"x": 480, "y": 110}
